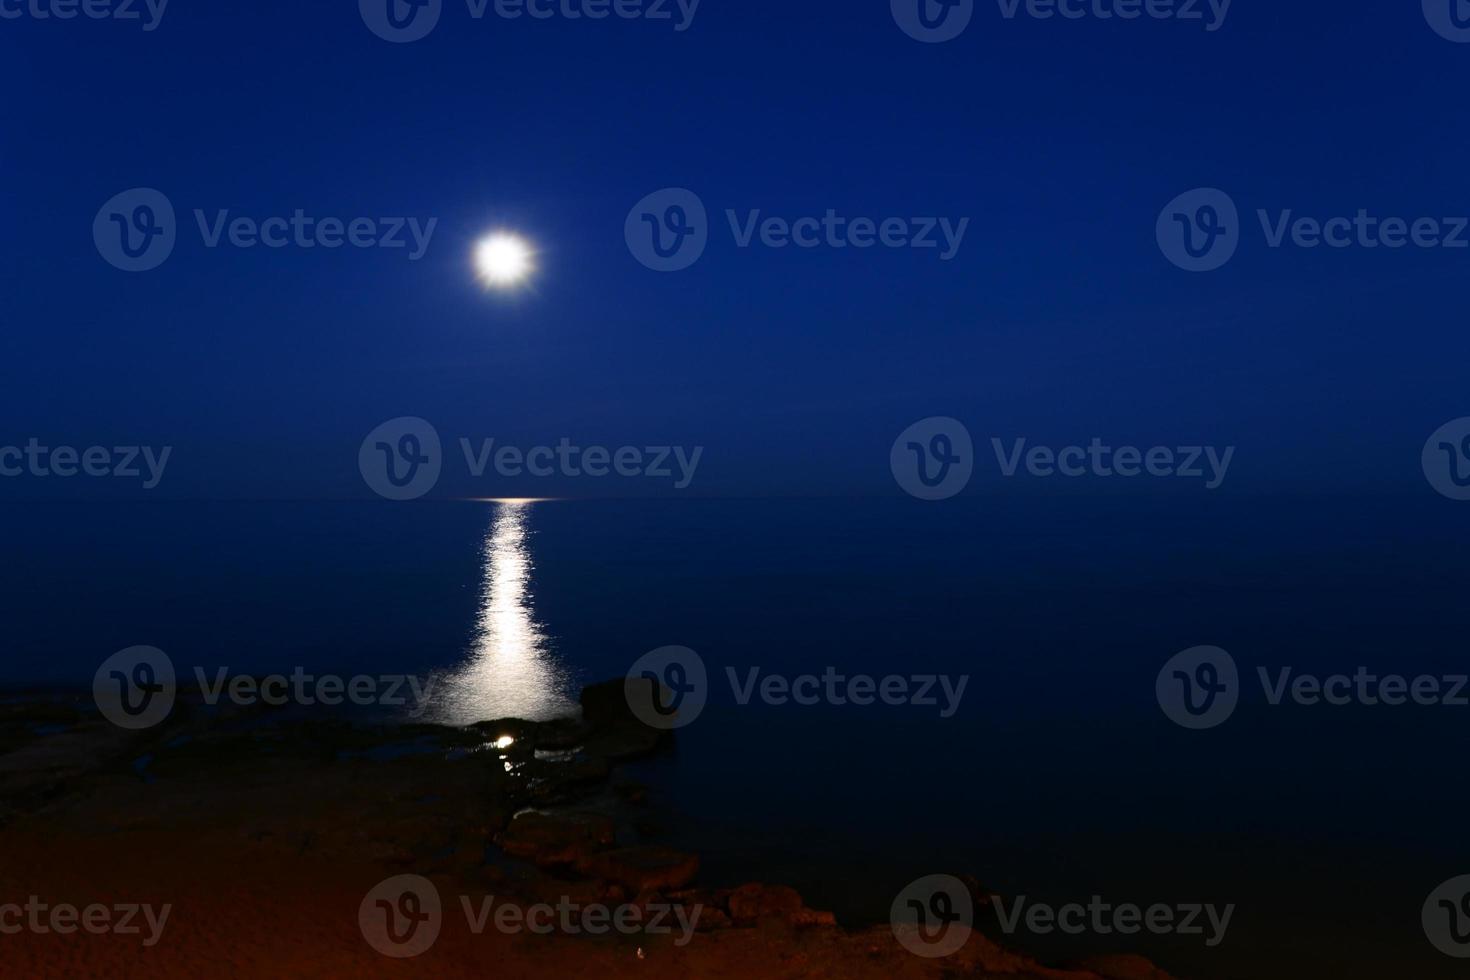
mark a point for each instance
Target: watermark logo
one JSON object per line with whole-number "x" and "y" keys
{"x": 401, "y": 459}
{"x": 1211, "y": 13}
{"x": 936, "y": 21}
{"x": 401, "y": 21}
{"x": 136, "y": 230}
{"x": 1449, "y": 18}
{"x": 1100, "y": 460}
{"x": 1446, "y": 917}
{"x": 675, "y": 463}
{"x": 121, "y": 462}
{"x": 148, "y": 12}
{"x": 1446, "y": 459}
{"x": 667, "y": 688}
{"x": 576, "y": 919}
{"x": 405, "y": 21}
{"x": 933, "y": 21}
{"x": 1102, "y": 918}
{"x": 134, "y": 688}
{"x": 838, "y": 689}
{"x": 933, "y": 916}
{"x": 668, "y": 230}
{"x": 1199, "y": 688}
{"x": 1199, "y": 230}
{"x": 64, "y": 919}
{"x": 933, "y": 459}
{"x": 401, "y": 916}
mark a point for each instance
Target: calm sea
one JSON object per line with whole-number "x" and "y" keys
{"x": 1058, "y": 777}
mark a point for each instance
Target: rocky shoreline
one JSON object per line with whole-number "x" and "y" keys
{"x": 234, "y": 816}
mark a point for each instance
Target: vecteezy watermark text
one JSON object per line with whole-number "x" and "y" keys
{"x": 148, "y": 13}
{"x": 120, "y": 462}
{"x": 1102, "y": 918}
{"x": 934, "y": 915}
{"x": 402, "y": 459}
{"x": 1098, "y": 459}
{"x": 402, "y": 917}
{"x": 835, "y": 231}
{"x": 660, "y": 462}
{"x": 936, "y": 21}
{"x": 669, "y": 230}
{"x": 406, "y": 21}
{"x": 668, "y": 688}
{"x": 934, "y": 458}
{"x": 1201, "y": 688}
{"x": 1210, "y": 13}
{"x": 303, "y": 231}
{"x": 136, "y": 688}
{"x": 137, "y": 230}
{"x": 839, "y": 689}
{"x": 1200, "y": 230}
{"x": 63, "y": 919}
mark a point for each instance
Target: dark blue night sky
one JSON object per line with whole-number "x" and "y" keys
{"x": 1059, "y": 319}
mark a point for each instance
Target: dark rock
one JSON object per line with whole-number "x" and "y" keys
{"x": 548, "y": 839}
{"x": 630, "y": 791}
{"x": 606, "y": 704}
{"x": 711, "y": 918}
{"x": 751, "y": 902}
{"x": 812, "y": 918}
{"x": 39, "y": 713}
{"x": 1123, "y": 967}
{"x": 625, "y": 742}
{"x": 978, "y": 893}
{"x": 643, "y": 868}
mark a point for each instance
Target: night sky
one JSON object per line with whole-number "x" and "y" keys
{"x": 1059, "y": 319}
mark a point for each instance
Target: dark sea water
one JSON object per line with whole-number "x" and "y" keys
{"x": 1059, "y": 777}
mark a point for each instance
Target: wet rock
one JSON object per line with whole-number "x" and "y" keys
{"x": 576, "y": 769}
{"x": 812, "y": 918}
{"x": 39, "y": 713}
{"x": 606, "y": 704}
{"x": 647, "y": 898}
{"x": 643, "y": 868}
{"x": 615, "y": 732}
{"x": 979, "y": 894}
{"x": 77, "y": 749}
{"x": 711, "y": 918}
{"x": 548, "y": 840}
{"x": 553, "y": 891}
{"x": 625, "y": 742}
{"x": 563, "y": 734}
{"x": 1123, "y": 967}
{"x": 42, "y": 770}
{"x": 751, "y": 902}
{"x": 630, "y": 792}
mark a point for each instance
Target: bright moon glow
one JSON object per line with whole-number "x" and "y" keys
{"x": 503, "y": 260}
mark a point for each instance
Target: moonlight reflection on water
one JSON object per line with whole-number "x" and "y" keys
{"x": 510, "y": 671}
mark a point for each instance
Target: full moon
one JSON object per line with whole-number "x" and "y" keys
{"x": 503, "y": 260}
